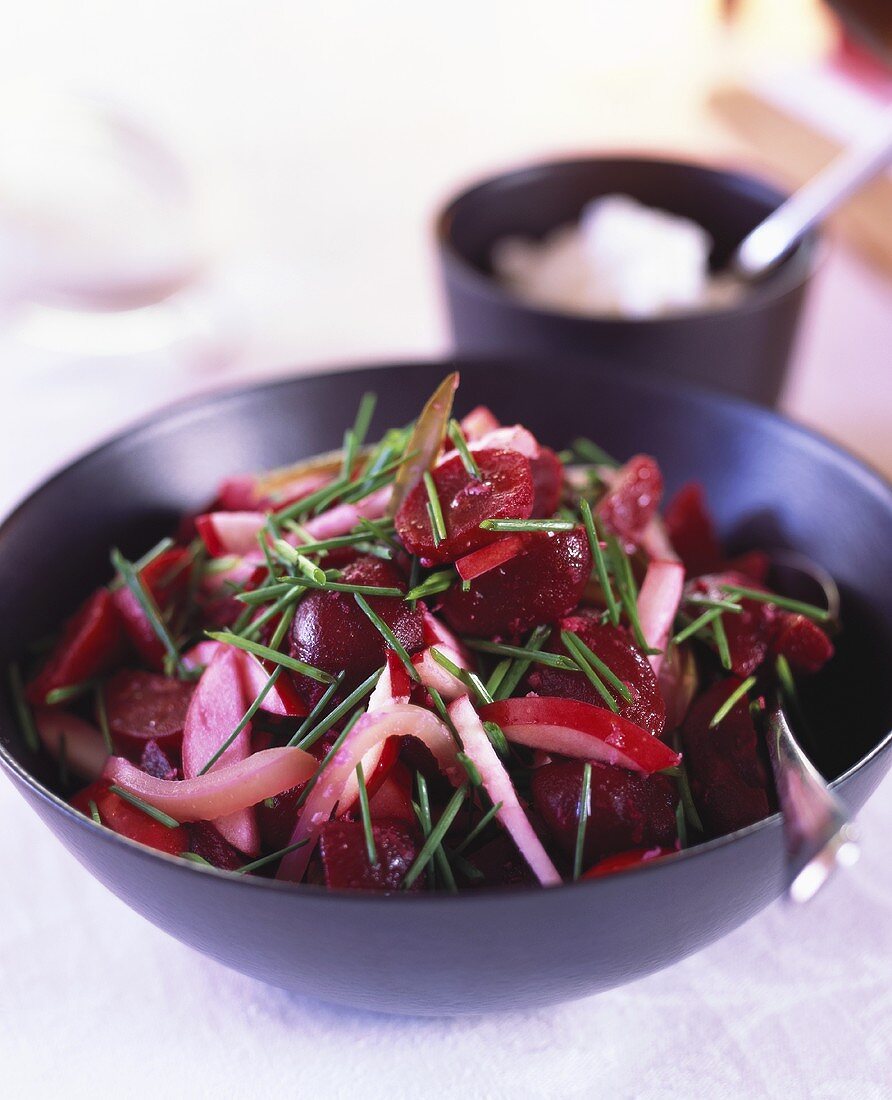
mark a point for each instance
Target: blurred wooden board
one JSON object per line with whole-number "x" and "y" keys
{"x": 795, "y": 152}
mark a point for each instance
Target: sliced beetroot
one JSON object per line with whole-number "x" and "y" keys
{"x": 503, "y": 491}
{"x": 802, "y": 642}
{"x": 624, "y": 860}
{"x": 692, "y": 532}
{"x": 626, "y": 810}
{"x": 538, "y": 586}
{"x": 728, "y": 779}
{"x": 501, "y": 864}
{"x": 633, "y": 498}
{"x": 331, "y": 631}
{"x": 127, "y": 820}
{"x": 548, "y": 482}
{"x": 750, "y": 631}
{"x": 345, "y": 860}
{"x": 393, "y": 797}
{"x": 617, "y": 649}
{"x": 143, "y": 706}
{"x": 276, "y": 818}
{"x": 155, "y": 761}
{"x": 166, "y": 578}
{"x": 206, "y": 841}
{"x": 91, "y": 642}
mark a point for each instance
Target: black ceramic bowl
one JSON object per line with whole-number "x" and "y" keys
{"x": 743, "y": 349}
{"x": 771, "y": 484}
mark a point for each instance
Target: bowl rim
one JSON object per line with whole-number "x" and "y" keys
{"x": 810, "y": 252}
{"x": 206, "y": 401}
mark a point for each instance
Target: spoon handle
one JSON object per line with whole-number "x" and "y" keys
{"x": 817, "y": 827}
{"x": 769, "y": 242}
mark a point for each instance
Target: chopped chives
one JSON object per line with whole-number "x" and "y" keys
{"x": 388, "y": 635}
{"x": 521, "y": 666}
{"x": 305, "y": 738}
{"x": 527, "y": 524}
{"x": 470, "y": 679}
{"x": 628, "y": 590}
{"x": 308, "y": 503}
{"x": 264, "y": 860}
{"x": 438, "y": 523}
{"x": 270, "y": 654}
{"x": 150, "y": 609}
{"x": 604, "y": 670}
{"x": 274, "y": 591}
{"x": 423, "y": 812}
{"x": 693, "y": 627}
{"x": 349, "y": 454}
{"x": 364, "y": 415}
{"x": 808, "y": 609}
{"x": 687, "y": 799}
{"x": 321, "y": 546}
{"x": 140, "y": 563}
{"x": 538, "y": 656}
{"x": 323, "y": 764}
{"x": 294, "y": 557}
{"x": 281, "y": 605}
{"x": 365, "y": 813}
{"x": 194, "y": 857}
{"x": 146, "y": 807}
{"x": 317, "y": 709}
{"x": 102, "y": 719}
{"x": 461, "y": 445}
{"x": 721, "y": 605}
{"x": 434, "y": 839}
{"x": 444, "y": 713}
{"x": 471, "y": 771}
{"x": 498, "y": 675}
{"x": 497, "y": 737}
{"x": 590, "y": 451}
{"x": 721, "y": 641}
{"x": 72, "y": 691}
{"x": 245, "y": 719}
{"x": 94, "y": 812}
{"x": 572, "y": 643}
{"x": 594, "y": 541}
{"x": 479, "y": 827}
{"x": 681, "y": 825}
{"x": 23, "y": 711}
{"x": 432, "y": 585}
{"x": 585, "y": 797}
{"x": 733, "y": 699}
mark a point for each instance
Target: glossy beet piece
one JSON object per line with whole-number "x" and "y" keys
{"x": 331, "y": 631}
{"x": 633, "y": 499}
{"x": 345, "y": 860}
{"x": 538, "y": 586}
{"x": 276, "y": 818}
{"x": 120, "y": 816}
{"x": 155, "y": 761}
{"x": 691, "y": 530}
{"x": 616, "y": 648}
{"x": 206, "y": 841}
{"x": 728, "y": 778}
{"x": 627, "y": 810}
{"x": 624, "y": 860}
{"x": 751, "y": 631}
{"x": 501, "y": 864}
{"x": 91, "y": 643}
{"x": 143, "y": 706}
{"x": 504, "y": 491}
{"x": 166, "y": 579}
{"x": 802, "y": 642}
{"x": 548, "y": 482}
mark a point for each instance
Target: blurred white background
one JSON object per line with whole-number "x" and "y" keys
{"x": 287, "y": 158}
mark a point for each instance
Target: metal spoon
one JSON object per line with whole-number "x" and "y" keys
{"x": 766, "y": 245}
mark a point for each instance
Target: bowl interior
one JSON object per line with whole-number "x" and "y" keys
{"x": 769, "y": 483}
{"x": 530, "y": 202}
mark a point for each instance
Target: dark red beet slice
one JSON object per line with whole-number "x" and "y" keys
{"x": 627, "y": 810}
{"x": 624, "y": 860}
{"x": 120, "y": 816}
{"x": 166, "y": 578}
{"x": 276, "y": 818}
{"x": 728, "y": 780}
{"x": 504, "y": 491}
{"x": 802, "y": 642}
{"x": 91, "y": 643}
{"x": 155, "y": 761}
{"x": 207, "y": 842}
{"x": 618, "y": 651}
{"x": 692, "y": 532}
{"x": 502, "y": 865}
{"x": 750, "y": 632}
{"x": 754, "y": 564}
{"x": 633, "y": 499}
{"x": 548, "y": 482}
{"x": 393, "y": 797}
{"x": 331, "y": 631}
{"x": 143, "y": 706}
{"x": 538, "y": 586}
{"x": 345, "y": 860}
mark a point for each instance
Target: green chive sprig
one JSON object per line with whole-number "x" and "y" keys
{"x": 585, "y": 797}
{"x": 740, "y": 692}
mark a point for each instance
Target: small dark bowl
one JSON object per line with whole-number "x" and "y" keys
{"x": 771, "y": 484}
{"x": 743, "y": 349}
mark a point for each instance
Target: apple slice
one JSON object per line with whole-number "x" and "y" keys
{"x": 580, "y": 730}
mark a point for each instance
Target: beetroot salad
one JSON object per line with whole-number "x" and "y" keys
{"x": 449, "y": 659}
